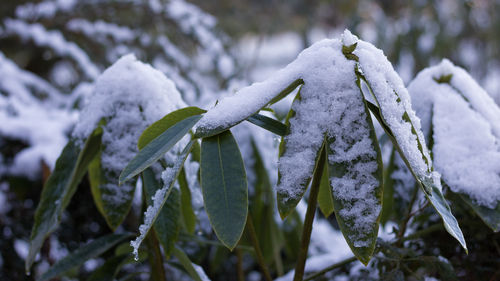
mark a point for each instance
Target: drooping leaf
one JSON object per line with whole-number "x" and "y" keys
{"x": 224, "y": 187}
{"x": 187, "y": 264}
{"x": 113, "y": 201}
{"x": 358, "y": 211}
{"x": 325, "y": 197}
{"x": 158, "y": 147}
{"x": 109, "y": 269}
{"x": 491, "y": 217}
{"x": 273, "y": 126}
{"x": 428, "y": 186}
{"x": 287, "y": 91}
{"x": 286, "y": 204}
{"x": 161, "y": 196}
{"x": 188, "y": 215}
{"x": 167, "y": 224}
{"x": 84, "y": 253}
{"x": 160, "y": 126}
{"x": 70, "y": 168}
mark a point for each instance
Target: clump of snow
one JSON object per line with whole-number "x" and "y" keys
{"x": 394, "y": 102}
{"x": 348, "y": 39}
{"x": 129, "y": 96}
{"x": 24, "y": 102}
{"x": 465, "y": 123}
{"x": 54, "y": 40}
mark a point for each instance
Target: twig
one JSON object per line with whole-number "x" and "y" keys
{"x": 256, "y": 246}
{"x": 330, "y": 268}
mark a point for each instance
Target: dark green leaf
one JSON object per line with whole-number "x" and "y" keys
{"x": 286, "y": 204}
{"x": 273, "y": 126}
{"x": 174, "y": 172}
{"x": 187, "y": 264}
{"x": 70, "y": 168}
{"x": 105, "y": 191}
{"x": 491, "y": 217}
{"x": 188, "y": 215}
{"x": 433, "y": 193}
{"x": 347, "y": 224}
{"x": 160, "y": 126}
{"x": 109, "y": 270}
{"x": 224, "y": 187}
{"x": 158, "y": 147}
{"x": 325, "y": 197}
{"x": 287, "y": 91}
{"x": 80, "y": 256}
{"x": 167, "y": 225}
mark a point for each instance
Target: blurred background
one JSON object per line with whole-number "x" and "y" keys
{"x": 52, "y": 51}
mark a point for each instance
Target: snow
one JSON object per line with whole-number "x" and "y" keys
{"x": 129, "y": 96}
{"x": 466, "y": 130}
{"x": 28, "y": 104}
{"x": 101, "y": 29}
{"x": 54, "y": 40}
{"x": 394, "y": 102}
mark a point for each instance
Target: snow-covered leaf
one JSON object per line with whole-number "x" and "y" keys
{"x": 467, "y": 153}
{"x": 224, "y": 187}
{"x": 160, "y": 197}
{"x": 396, "y": 114}
{"x": 70, "y": 168}
{"x": 167, "y": 224}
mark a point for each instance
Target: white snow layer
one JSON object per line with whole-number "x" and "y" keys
{"x": 129, "y": 96}
{"x": 466, "y": 129}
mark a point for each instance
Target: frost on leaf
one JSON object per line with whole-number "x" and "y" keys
{"x": 128, "y": 97}
{"x": 465, "y": 126}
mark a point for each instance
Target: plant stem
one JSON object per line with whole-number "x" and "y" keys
{"x": 239, "y": 265}
{"x": 330, "y": 268}
{"x": 155, "y": 257}
{"x": 255, "y": 242}
{"x": 311, "y": 210}
{"x": 423, "y": 232}
{"x": 404, "y": 223}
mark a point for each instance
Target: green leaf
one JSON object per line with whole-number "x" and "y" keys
{"x": 491, "y": 217}
{"x": 287, "y": 91}
{"x": 325, "y": 197}
{"x": 224, "y": 187}
{"x": 167, "y": 225}
{"x": 106, "y": 191}
{"x": 348, "y": 224}
{"x": 187, "y": 212}
{"x": 109, "y": 269}
{"x": 155, "y": 210}
{"x": 86, "y": 252}
{"x": 158, "y": 147}
{"x": 388, "y": 199}
{"x": 70, "y": 168}
{"x": 160, "y": 126}
{"x": 286, "y": 204}
{"x": 432, "y": 192}
{"x": 273, "y": 126}
{"x": 187, "y": 264}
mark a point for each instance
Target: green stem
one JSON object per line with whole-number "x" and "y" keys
{"x": 311, "y": 210}
{"x": 155, "y": 257}
{"x": 239, "y": 265}
{"x": 255, "y": 242}
{"x": 330, "y": 268}
{"x": 404, "y": 223}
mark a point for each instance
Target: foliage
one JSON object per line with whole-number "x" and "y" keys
{"x": 203, "y": 182}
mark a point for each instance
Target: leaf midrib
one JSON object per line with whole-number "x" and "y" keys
{"x": 222, "y": 170}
